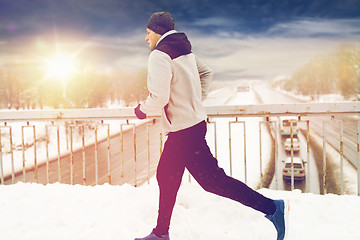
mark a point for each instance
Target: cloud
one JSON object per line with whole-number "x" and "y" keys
{"x": 260, "y": 56}
{"x": 218, "y": 22}
{"x": 236, "y": 38}
{"x": 312, "y": 27}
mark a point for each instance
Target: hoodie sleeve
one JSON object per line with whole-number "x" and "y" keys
{"x": 158, "y": 82}
{"x": 206, "y": 76}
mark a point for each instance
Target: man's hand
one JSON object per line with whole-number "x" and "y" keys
{"x": 139, "y": 114}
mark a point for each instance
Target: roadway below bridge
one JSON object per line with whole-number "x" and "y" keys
{"x": 332, "y": 137}
{"x": 116, "y": 157}
{"x": 271, "y": 178}
{"x": 311, "y": 183}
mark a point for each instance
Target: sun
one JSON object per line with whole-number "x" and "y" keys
{"x": 59, "y": 67}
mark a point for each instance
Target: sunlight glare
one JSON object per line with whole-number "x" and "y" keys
{"x": 60, "y": 67}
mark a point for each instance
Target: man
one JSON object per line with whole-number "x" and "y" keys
{"x": 178, "y": 81}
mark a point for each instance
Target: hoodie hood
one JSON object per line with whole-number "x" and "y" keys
{"x": 175, "y": 45}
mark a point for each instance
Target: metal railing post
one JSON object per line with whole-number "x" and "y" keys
{"x": 122, "y": 149}
{"x": 292, "y": 154}
{"x": 109, "y": 154}
{"x": 268, "y": 121}
{"x": 83, "y": 154}
{"x": 230, "y": 147}
{"x": 324, "y": 159}
{"x": 134, "y": 149}
{"x": 276, "y": 157}
{"x": 135, "y": 156}
{"x": 35, "y": 157}
{"x": 1, "y": 160}
{"x": 230, "y": 151}
{"x": 12, "y": 156}
{"x": 58, "y": 151}
{"x": 260, "y": 153}
{"x": 358, "y": 155}
{"x": 341, "y": 158}
{"x": 308, "y": 187}
{"x": 23, "y": 153}
{"x": 215, "y": 136}
{"x": 71, "y": 156}
{"x": 96, "y": 156}
{"x": 148, "y": 152}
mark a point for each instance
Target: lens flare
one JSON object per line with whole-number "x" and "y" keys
{"x": 59, "y": 67}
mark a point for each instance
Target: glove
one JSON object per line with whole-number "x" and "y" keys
{"x": 139, "y": 114}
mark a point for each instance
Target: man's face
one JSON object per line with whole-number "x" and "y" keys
{"x": 152, "y": 38}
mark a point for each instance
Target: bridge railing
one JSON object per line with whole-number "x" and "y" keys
{"x": 58, "y": 143}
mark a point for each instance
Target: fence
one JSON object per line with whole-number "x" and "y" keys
{"x": 94, "y": 146}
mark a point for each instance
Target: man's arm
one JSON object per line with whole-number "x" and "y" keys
{"x": 158, "y": 83}
{"x": 206, "y": 76}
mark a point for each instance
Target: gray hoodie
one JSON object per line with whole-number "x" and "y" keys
{"x": 178, "y": 81}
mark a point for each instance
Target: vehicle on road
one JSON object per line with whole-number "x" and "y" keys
{"x": 288, "y": 124}
{"x": 299, "y": 169}
{"x": 295, "y": 145}
{"x": 244, "y": 87}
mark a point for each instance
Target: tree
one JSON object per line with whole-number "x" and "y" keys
{"x": 130, "y": 87}
{"x": 336, "y": 73}
{"x": 347, "y": 77}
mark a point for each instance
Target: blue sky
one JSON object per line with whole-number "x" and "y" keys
{"x": 238, "y": 39}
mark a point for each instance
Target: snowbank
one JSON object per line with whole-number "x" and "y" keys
{"x": 57, "y": 211}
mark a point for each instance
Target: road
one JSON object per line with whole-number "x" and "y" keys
{"x": 124, "y": 166}
{"x": 332, "y": 130}
{"x": 311, "y": 183}
{"x": 332, "y": 127}
{"x": 271, "y": 96}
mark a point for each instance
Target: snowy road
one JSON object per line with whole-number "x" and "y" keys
{"x": 311, "y": 183}
{"x": 332, "y": 126}
{"x": 240, "y": 156}
{"x": 122, "y": 162}
{"x": 270, "y": 96}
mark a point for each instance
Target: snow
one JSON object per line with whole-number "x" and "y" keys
{"x": 57, "y": 211}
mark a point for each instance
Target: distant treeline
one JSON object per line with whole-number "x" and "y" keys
{"x": 22, "y": 86}
{"x": 336, "y": 73}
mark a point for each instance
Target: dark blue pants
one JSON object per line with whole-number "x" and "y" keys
{"x": 188, "y": 149}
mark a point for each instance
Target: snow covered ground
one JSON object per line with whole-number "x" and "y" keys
{"x": 57, "y": 212}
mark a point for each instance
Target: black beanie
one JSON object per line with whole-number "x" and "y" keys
{"x": 161, "y": 22}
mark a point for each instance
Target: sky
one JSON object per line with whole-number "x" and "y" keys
{"x": 238, "y": 39}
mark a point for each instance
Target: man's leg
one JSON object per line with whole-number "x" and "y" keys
{"x": 204, "y": 168}
{"x": 169, "y": 174}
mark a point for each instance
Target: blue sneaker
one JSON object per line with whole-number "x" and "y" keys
{"x": 280, "y": 218}
{"x": 152, "y": 236}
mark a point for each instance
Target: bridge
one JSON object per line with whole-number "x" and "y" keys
{"x": 96, "y": 146}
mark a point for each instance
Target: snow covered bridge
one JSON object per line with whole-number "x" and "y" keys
{"x": 96, "y": 146}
